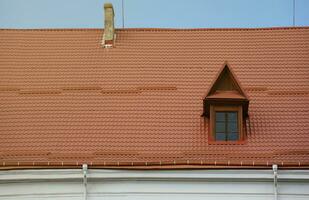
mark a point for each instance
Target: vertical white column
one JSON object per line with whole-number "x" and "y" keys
{"x": 275, "y": 170}
{"x": 85, "y": 168}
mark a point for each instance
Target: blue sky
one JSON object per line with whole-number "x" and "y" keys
{"x": 153, "y": 13}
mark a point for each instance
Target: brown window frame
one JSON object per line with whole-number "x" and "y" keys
{"x": 212, "y": 123}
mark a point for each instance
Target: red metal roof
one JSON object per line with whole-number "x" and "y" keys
{"x": 65, "y": 100}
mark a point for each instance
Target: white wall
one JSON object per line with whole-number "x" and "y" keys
{"x": 154, "y": 184}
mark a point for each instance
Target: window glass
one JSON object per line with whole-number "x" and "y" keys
{"x": 226, "y": 127}
{"x": 220, "y": 136}
{"x": 220, "y": 116}
{"x": 232, "y": 136}
{"x": 232, "y": 116}
{"x": 220, "y": 127}
{"x": 232, "y": 126}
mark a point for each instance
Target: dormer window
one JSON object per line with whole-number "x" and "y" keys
{"x": 226, "y": 105}
{"x": 226, "y": 123}
{"x": 226, "y": 126}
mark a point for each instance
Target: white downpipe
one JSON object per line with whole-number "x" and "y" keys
{"x": 85, "y": 168}
{"x": 275, "y": 170}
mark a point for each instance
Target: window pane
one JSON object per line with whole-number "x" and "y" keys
{"x": 232, "y": 127}
{"x": 226, "y": 126}
{"x": 220, "y": 116}
{"x": 220, "y": 127}
{"x": 232, "y": 116}
{"x": 232, "y": 136}
{"x": 220, "y": 136}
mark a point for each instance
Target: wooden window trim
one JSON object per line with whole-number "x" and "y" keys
{"x": 212, "y": 121}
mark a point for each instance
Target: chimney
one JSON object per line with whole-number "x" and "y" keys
{"x": 109, "y": 30}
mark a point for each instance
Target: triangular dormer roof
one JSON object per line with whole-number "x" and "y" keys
{"x": 226, "y": 89}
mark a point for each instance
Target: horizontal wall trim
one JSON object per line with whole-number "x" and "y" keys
{"x": 183, "y": 175}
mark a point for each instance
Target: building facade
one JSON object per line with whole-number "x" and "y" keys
{"x": 154, "y": 113}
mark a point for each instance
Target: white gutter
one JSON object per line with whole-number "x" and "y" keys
{"x": 85, "y": 169}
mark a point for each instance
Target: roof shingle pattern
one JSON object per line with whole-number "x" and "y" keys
{"x": 65, "y": 99}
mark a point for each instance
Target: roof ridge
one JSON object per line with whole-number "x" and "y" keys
{"x": 157, "y": 29}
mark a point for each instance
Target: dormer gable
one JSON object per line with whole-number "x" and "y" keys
{"x": 226, "y": 90}
{"x": 226, "y": 85}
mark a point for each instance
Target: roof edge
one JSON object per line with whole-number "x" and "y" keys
{"x": 180, "y": 164}
{"x": 158, "y": 29}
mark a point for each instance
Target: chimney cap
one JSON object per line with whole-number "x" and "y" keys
{"x": 108, "y": 5}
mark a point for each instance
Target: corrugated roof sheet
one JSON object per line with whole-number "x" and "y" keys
{"x": 64, "y": 99}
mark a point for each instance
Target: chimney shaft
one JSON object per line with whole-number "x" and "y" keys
{"x": 109, "y": 29}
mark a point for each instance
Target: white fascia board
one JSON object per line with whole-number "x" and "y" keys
{"x": 184, "y": 175}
